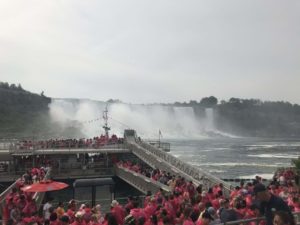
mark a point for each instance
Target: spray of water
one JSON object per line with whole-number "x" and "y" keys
{"x": 147, "y": 120}
{"x": 210, "y": 126}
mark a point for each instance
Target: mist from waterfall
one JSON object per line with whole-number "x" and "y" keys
{"x": 147, "y": 120}
{"x": 209, "y": 113}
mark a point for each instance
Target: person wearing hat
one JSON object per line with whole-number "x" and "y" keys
{"x": 269, "y": 203}
{"x": 97, "y": 212}
{"x": 78, "y": 218}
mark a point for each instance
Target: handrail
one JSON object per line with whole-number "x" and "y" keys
{"x": 173, "y": 160}
{"x": 39, "y": 196}
{"x": 4, "y": 193}
{"x": 14, "y": 149}
{"x": 38, "y": 145}
{"x": 5, "y": 146}
{"x": 258, "y": 219}
{"x": 79, "y": 172}
{"x": 7, "y": 190}
{"x": 196, "y": 173}
{"x": 156, "y": 162}
{"x": 139, "y": 181}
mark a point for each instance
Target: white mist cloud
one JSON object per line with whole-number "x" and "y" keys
{"x": 147, "y": 120}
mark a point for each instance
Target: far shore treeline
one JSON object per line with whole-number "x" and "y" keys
{"x": 25, "y": 114}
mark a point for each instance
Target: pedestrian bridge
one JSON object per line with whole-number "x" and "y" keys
{"x": 139, "y": 181}
{"x": 162, "y": 160}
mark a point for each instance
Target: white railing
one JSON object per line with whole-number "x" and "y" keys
{"x": 13, "y": 149}
{"x": 139, "y": 181}
{"x": 39, "y": 196}
{"x": 152, "y": 154}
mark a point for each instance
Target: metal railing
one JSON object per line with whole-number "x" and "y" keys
{"x": 105, "y": 202}
{"x": 79, "y": 172}
{"x": 165, "y": 146}
{"x": 14, "y": 149}
{"x": 139, "y": 181}
{"x": 6, "y": 192}
{"x": 38, "y": 196}
{"x": 155, "y": 162}
{"x": 198, "y": 175}
{"x": 258, "y": 220}
{"x": 194, "y": 172}
{"x": 5, "y": 145}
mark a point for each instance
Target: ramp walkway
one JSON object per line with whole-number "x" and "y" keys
{"x": 162, "y": 160}
{"x": 139, "y": 181}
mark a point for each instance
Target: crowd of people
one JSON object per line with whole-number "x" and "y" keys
{"x": 95, "y": 142}
{"x": 186, "y": 204}
{"x": 243, "y": 201}
{"x": 19, "y": 205}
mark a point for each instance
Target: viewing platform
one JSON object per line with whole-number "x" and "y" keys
{"x": 87, "y": 162}
{"x": 146, "y": 167}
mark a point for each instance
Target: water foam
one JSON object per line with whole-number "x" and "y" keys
{"x": 216, "y": 171}
{"x": 280, "y": 156}
{"x": 244, "y": 164}
{"x": 267, "y": 176}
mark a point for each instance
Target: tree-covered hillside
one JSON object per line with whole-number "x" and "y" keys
{"x": 250, "y": 117}
{"x": 253, "y": 117}
{"x": 21, "y": 112}
{"x": 26, "y": 115}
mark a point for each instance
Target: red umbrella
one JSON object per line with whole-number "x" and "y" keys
{"x": 44, "y": 186}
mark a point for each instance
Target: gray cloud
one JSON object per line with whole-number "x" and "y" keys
{"x": 147, "y": 51}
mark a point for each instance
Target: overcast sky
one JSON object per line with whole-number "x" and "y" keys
{"x": 152, "y": 51}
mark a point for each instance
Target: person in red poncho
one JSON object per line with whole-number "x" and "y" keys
{"x": 137, "y": 212}
{"x": 78, "y": 219}
{"x": 187, "y": 216}
{"x": 30, "y": 207}
{"x": 118, "y": 211}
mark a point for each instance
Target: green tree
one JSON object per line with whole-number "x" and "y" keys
{"x": 193, "y": 102}
{"x": 20, "y": 87}
{"x": 209, "y": 101}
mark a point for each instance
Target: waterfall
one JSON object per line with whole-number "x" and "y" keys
{"x": 147, "y": 120}
{"x": 209, "y": 113}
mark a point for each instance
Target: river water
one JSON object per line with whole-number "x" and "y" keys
{"x": 237, "y": 157}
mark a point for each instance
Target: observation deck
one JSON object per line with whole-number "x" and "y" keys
{"x": 78, "y": 162}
